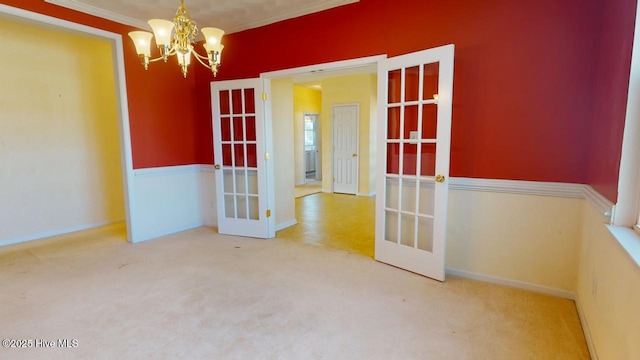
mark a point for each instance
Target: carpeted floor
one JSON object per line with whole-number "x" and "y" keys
{"x": 200, "y": 295}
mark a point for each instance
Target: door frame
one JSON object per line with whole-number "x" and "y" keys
{"x": 333, "y": 160}
{"x": 298, "y": 71}
{"x": 117, "y": 50}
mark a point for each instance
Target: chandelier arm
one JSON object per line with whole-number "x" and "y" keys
{"x": 198, "y": 55}
{"x": 200, "y": 58}
{"x": 156, "y": 59}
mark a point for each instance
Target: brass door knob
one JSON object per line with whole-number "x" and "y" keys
{"x": 354, "y": 154}
{"x": 439, "y": 178}
{"x": 216, "y": 166}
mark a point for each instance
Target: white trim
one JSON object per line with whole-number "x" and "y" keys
{"x": 331, "y": 66}
{"x": 370, "y": 194}
{"x": 585, "y": 329}
{"x": 518, "y": 187}
{"x": 286, "y": 224}
{"x": 601, "y": 203}
{"x": 629, "y": 240}
{"x": 175, "y": 230}
{"x": 49, "y": 234}
{"x": 628, "y": 201}
{"x": 121, "y": 102}
{"x": 99, "y": 12}
{"x": 207, "y": 168}
{"x": 168, "y": 170}
{"x": 512, "y": 283}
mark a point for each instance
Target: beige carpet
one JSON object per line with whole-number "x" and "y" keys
{"x": 199, "y": 295}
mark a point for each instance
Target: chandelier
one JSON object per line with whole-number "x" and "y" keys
{"x": 181, "y": 43}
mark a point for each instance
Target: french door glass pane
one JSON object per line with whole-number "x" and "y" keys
{"x": 391, "y": 226}
{"x": 427, "y": 197}
{"x": 236, "y": 100}
{"x": 429, "y": 121}
{"x": 251, "y": 128}
{"x": 427, "y": 159}
{"x": 227, "y": 179}
{"x": 241, "y": 202}
{"x": 241, "y": 184}
{"x": 249, "y": 101}
{"x": 239, "y": 154}
{"x": 253, "y": 208}
{"x": 409, "y": 193}
{"x": 225, "y": 128}
{"x": 425, "y": 234}
{"x": 252, "y": 156}
{"x": 430, "y": 80}
{"x": 393, "y": 124}
{"x": 393, "y": 158}
{"x": 411, "y": 83}
{"x": 408, "y": 230}
{"x": 409, "y": 158}
{"x": 238, "y": 131}
{"x": 252, "y": 182}
{"x": 224, "y": 102}
{"x": 226, "y": 155}
{"x": 394, "y": 86}
{"x": 411, "y": 122}
{"x": 392, "y": 193}
{"x": 229, "y": 206}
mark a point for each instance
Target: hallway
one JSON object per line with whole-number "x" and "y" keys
{"x": 334, "y": 221}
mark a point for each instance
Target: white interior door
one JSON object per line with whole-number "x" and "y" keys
{"x": 414, "y": 135}
{"x": 345, "y": 148}
{"x": 239, "y": 155}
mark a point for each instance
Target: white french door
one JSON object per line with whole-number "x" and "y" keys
{"x": 414, "y": 135}
{"x": 345, "y": 148}
{"x": 239, "y": 155}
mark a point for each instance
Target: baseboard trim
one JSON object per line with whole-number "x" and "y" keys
{"x": 585, "y": 329}
{"x": 48, "y": 234}
{"x": 366, "y": 194}
{"x": 512, "y": 283}
{"x": 172, "y": 231}
{"x": 286, "y": 224}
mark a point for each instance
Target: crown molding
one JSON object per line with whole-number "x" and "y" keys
{"x": 101, "y": 13}
{"x": 123, "y": 19}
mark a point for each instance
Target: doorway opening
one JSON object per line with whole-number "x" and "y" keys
{"x": 335, "y": 84}
{"x": 121, "y": 114}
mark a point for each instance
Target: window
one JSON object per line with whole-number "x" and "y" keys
{"x": 310, "y": 132}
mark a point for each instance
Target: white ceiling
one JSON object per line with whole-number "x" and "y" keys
{"x": 229, "y": 15}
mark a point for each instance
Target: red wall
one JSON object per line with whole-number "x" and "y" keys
{"x": 611, "y": 86}
{"x": 539, "y": 89}
{"x": 524, "y": 77}
{"x": 161, "y": 103}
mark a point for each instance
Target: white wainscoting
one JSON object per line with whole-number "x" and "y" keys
{"x": 168, "y": 200}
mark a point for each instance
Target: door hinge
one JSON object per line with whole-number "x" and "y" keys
{"x": 266, "y": 156}
{"x": 268, "y": 213}
{"x": 264, "y": 96}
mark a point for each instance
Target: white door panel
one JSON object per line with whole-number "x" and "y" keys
{"x": 414, "y": 135}
{"x": 239, "y": 154}
{"x": 345, "y": 144}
